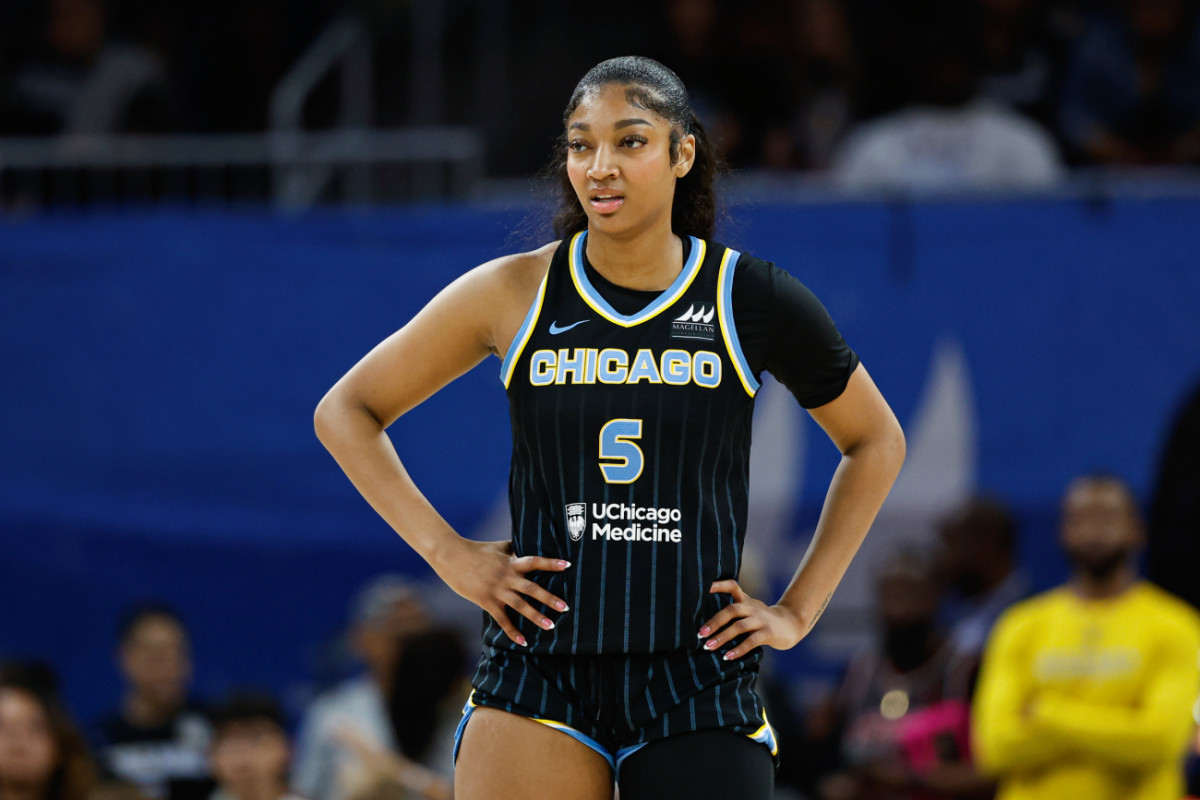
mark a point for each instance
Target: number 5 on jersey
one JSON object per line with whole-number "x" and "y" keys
{"x": 621, "y": 459}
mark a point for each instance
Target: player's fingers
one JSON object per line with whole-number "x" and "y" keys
{"x": 718, "y": 621}
{"x": 756, "y": 639}
{"x": 732, "y": 632}
{"x": 509, "y": 629}
{"x": 533, "y": 563}
{"x": 531, "y": 589}
{"x": 519, "y": 604}
{"x": 723, "y": 617}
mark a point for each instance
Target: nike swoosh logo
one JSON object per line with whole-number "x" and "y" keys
{"x": 555, "y": 330}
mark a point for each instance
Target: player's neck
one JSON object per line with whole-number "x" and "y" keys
{"x": 1091, "y": 587}
{"x": 649, "y": 260}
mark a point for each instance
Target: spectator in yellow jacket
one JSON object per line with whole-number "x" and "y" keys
{"x": 1086, "y": 691}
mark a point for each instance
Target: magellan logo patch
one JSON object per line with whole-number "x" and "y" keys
{"x": 576, "y": 520}
{"x": 695, "y": 323}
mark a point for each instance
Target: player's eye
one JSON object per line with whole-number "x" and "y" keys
{"x": 576, "y": 146}
{"x": 633, "y": 141}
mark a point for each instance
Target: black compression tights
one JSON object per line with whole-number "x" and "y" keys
{"x": 708, "y": 765}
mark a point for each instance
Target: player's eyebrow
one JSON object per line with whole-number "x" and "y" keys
{"x": 621, "y": 123}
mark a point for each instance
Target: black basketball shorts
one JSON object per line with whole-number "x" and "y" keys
{"x": 616, "y": 704}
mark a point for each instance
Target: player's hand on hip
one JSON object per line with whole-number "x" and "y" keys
{"x": 773, "y": 626}
{"x": 491, "y": 577}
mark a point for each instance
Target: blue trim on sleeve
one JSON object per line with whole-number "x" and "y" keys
{"x": 522, "y": 338}
{"x": 727, "y": 318}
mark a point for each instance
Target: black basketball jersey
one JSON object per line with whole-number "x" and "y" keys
{"x": 631, "y": 453}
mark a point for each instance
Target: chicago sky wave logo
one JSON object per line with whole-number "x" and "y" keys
{"x": 695, "y": 323}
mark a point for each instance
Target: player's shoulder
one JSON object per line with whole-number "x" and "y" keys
{"x": 513, "y": 277}
{"x": 744, "y": 261}
{"x": 751, "y": 275}
{"x": 521, "y": 268}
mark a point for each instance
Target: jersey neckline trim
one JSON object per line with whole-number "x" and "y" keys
{"x": 665, "y": 300}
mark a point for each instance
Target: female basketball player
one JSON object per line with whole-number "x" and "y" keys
{"x": 618, "y": 645}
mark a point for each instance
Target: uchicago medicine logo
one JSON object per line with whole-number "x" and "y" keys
{"x": 624, "y": 522}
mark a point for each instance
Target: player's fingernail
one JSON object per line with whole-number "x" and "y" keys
{"x": 560, "y": 605}
{"x": 564, "y": 564}
{"x": 705, "y": 631}
{"x": 521, "y": 641}
{"x": 547, "y": 624}
{"x": 728, "y": 656}
{"x": 710, "y": 644}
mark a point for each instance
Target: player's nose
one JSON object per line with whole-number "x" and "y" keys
{"x": 603, "y": 166}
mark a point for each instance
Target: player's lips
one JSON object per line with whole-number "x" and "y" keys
{"x": 605, "y": 201}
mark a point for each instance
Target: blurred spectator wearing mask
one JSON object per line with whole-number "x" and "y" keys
{"x": 79, "y": 80}
{"x": 1087, "y": 690}
{"x": 947, "y": 138}
{"x": 386, "y": 613}
{"x": 1132, "y": 91}
{"x": 902, "y": 707}
{"x": 158, "y": 739}
{"x": 250, "y": 749}
{"x": 978, "y": 559}
{"x": 42, "y": 754}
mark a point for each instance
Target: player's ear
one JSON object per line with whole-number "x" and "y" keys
{"x": 687, "y": 156}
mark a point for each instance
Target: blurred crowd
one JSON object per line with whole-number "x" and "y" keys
{"x": 384, "y": 734}
{"x": 968, "y": 685}
{"x": 922, "y": 93}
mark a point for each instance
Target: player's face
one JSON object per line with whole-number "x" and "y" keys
{"x": 619, "y": 163}
{"x": 1100, "y": 526}
{"x": 27, "y": 748}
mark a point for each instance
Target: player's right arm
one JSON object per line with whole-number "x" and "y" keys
{"x": 475, "y": 315}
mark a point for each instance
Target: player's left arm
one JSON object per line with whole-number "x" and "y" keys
{"x": 864, "y": 429}
{"x": 1157, "y": 730}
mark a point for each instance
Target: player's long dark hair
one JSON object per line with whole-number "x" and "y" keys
{"x": 649, "y": 85}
